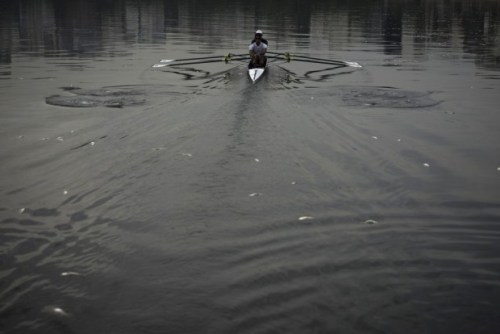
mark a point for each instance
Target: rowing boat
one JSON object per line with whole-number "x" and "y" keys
{"x": 256, "y": 72}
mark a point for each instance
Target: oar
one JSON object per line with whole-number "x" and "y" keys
{"x": 191, "y": 61}
{"x": 326, "y": 61}
{"x": 188, "y": 63}
{"x": 341, "y": 63}
{"x": 227, "y": 57}
{"x": 288, "y": 57}
{"x": 184, "y": 59}
{"x": 323, "y": 70}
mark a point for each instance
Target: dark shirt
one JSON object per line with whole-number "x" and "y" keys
{"x": 262, "y": 40}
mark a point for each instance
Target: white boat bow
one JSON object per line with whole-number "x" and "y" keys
{"x": 256, "y": 73}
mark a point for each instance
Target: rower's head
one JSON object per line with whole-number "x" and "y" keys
{"x": 258, "y": 35}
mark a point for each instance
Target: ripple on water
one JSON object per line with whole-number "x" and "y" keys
{"x": 386, "y": 97}
{"x": 291, "y": 277}
{"x": 89, "y": 101}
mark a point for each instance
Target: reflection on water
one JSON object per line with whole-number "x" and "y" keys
{"x": 323, "y": 199}
{"x": 90, "y": 28}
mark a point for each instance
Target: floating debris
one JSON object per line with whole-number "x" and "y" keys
{"x": 92, "y": 143}
{"x": 59, "y": 311}
{"x": 254, "y": 194}
{"x": 399, "y": 139}
{"x": 44, "y": 139}
{"x": 370, "y": 222}
{"x": 70, "y": 273}
{"x": 22, "y": 210}
{"x": 256, "y": 160}
{"x": 305, "y": 218}
{"x": 374, "y": 137}
{"x": 65, "y": 192}
{"x": 294, "y": 183}
{"x": 426, "y": 164}
{"x": 55, "y": 310}
{"x": 498, "y": 169}
{"x": 60, "y": 138}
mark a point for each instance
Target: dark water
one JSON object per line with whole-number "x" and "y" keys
{"x": 319, "y": 200}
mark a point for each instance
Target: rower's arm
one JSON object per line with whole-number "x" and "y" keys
{"x": 265, "y": 50}
{"x": 251, "y": 51}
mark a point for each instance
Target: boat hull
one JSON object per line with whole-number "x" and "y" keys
{"x": 256, "y": 73}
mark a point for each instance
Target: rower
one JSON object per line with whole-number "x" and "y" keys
{"x": 257, "y": 50}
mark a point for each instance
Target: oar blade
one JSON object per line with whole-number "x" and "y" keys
{"x": 353, "y": 64}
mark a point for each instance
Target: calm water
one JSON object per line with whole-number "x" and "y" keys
{"x": 319, "y": 200}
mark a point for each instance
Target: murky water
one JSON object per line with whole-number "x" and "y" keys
{"x": 321, "y": 199}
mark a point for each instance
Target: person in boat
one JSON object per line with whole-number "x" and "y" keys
{"x": 257, "y": 50}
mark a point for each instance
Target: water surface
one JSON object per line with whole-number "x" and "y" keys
{"x": 189, "y": 200}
